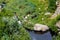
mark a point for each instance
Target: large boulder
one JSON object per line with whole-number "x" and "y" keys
{"x": 40, "y": 27}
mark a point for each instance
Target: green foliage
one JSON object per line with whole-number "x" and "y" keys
{"x": 9, "y": 27}
{"x": 52, "y": 5}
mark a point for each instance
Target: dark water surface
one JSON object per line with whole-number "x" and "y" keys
{"x": 39, "y": 36}
{"x": 45, "y": 36}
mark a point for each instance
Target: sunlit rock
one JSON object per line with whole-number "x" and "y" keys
{"x": 58, "y": 24}
{"x": 41, "y": 27}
